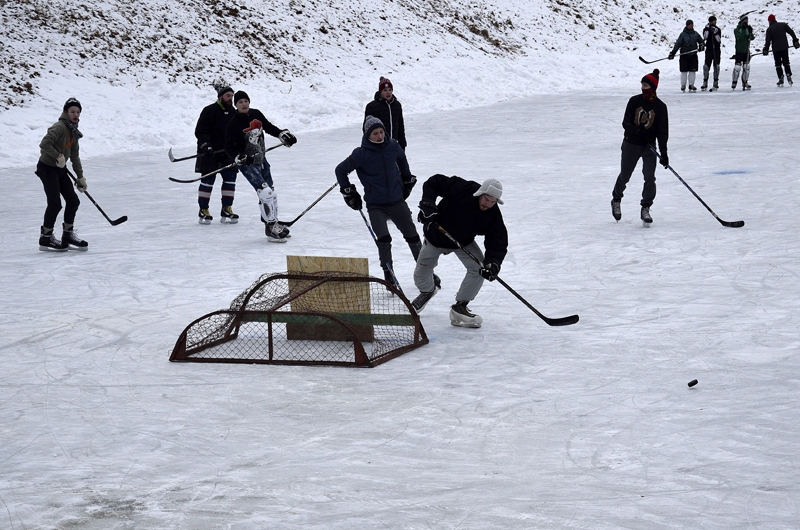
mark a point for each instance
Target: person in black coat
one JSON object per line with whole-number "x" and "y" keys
{"x": 712, "y": 36}
{"x": 776, "y": 36}
{"x": 244, "y": 142}
{"x": 645, "y": 122}
{"x": 386, "y": 108}
{"x": 467, "y": 209}
{"x": 382, "y": 168}
{"x": 210, "y": 134}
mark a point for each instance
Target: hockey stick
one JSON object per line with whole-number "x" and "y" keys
{"x": 173, "y": 159}
{"x": 564, "y": 321}
{"x": 293, "y": 221}
{"x": 115, "y": 222}
{"x": 229, "y": 166}
{"x": 730, "y": 224}
{"x": 665, "y": 58}
{"x": 374, "y": 238}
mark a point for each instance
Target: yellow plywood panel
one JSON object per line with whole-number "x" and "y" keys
{"x": 334, "y": 297}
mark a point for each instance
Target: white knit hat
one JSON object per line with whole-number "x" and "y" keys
{"x": 490, "y": 187}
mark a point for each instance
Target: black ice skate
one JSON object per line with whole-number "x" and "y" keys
{"x": 390, "y": 279}
{"x": 276, "y": 232}
{"x": 226, "y": 216}
{"x": 780, "y": 81}
{"x": 616, "y": 210}
{"x": 692, "y": 88}
{"x": 462, "y": 317}
{"x": 646, "y": 219}
{"x": 71, "y": 241}
{"x": 422, "y": 299}
{"x": 48, "y": 241}
{"x": 789, "y": 79}
{"x": 204, "y": 216}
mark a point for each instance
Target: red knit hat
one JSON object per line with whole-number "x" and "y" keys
{"x": 384, "y": 83}
{"x": 770, "y": 18}
{"x": 652, "y": 79}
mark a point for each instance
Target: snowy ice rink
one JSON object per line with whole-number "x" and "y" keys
{"x": 514, "y": 425}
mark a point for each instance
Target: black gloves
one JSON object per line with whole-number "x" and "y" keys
{"x": 205, "y": 149}
{"x": 765, "y": 51}
{"x": 244, "y": 160}
{"x": 408, "y": 185}
{"x": 664, "y": 160}
{"x": 287, "y": 138}
{"x": 701, "y": 47}
{"x": 490, "y": 271}
{"x": 796, "y": 43}
{"x": 351, "y": 197}
{"x": 671, "y": 56}
{"x": 427, "y": 211}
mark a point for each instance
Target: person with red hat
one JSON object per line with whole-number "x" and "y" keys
{"x": 388, "y": 109}
{"x": 645, "y": 122}
{"x": 776, "y": 36}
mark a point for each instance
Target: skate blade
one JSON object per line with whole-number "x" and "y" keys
{"x": 646, "y": 224}
{"x": 204, "y": 221}
{"x": 228, "y": 221}
{"x": 276, "y": 239}
{"x": 459, "y": 324}
{"x": 79, "y": 249}
{"x": 51, "y": 249}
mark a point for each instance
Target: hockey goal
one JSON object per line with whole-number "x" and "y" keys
{"x": 317, "y": 318}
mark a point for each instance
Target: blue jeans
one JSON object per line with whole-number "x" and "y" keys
{"x": 257, "y": 174}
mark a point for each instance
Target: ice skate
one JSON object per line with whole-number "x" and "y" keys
{"x": 422, "y": 299}
{"x": 780, "y": 82}
{"x": 226, "y": 216}
{"x": 275, "y": 232}
{"x": 462, "y": 317}
{"x": 204, "y": 216}
{"x": 716, "y": 85}
{"x": 733, "y": 85}
{"x": 789, "y": 79}
{"x": 646, "y": 219}
{"x": 616, "y": 210}
{"x": 692, "y": 88}
{"x": 390, "y": 279}
{"x": 48, "y": 241}
{"x": 71, "y": 241}
{"x": 683, "y": 88}
{"x": 704, "y": 86}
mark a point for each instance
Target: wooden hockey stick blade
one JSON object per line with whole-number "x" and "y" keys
{"x": 731, "y": 224}
{"x": 119, "y": 221}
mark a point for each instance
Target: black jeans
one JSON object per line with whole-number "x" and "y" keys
{"x": 782, "y": 58}
{"x": 57, "y": 184}
{"x": 631, "y": 153}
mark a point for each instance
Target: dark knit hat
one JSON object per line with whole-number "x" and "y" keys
{"x": 690, "y": 22}
{"x": 771, "y": 18}
{"x": 712, "y": 18}
{"x": 72, "y": 102}
{"x": 743, "y": 17}
{"x": 652, "y": 79}
{"x": 371, "y": 123}
{"x": 241, "y": 94}
{"x": 384, "y": 83}
{"x": 223, "y": 89}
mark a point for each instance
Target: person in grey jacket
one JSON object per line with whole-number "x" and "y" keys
{"x": 776, "y": 36}
{"x": 58, "y": 146}
{"x": 689, "y": 43}
{"x": 382, "y": 168}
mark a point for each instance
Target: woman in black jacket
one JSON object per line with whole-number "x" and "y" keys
{"x": 386, "y": 108}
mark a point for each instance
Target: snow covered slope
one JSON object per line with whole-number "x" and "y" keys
{"x": 142, "y": 70}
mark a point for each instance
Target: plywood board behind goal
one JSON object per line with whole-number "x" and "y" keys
{"x": 333, "y": 298}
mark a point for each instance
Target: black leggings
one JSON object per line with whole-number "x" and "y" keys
{"x": 56, "y": 184}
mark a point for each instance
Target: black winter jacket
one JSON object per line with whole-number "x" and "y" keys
{"x": 776, "y": 35}
{"x": 210, "y": 129}
{"x": 459, "y": 214}
{"x": 237, "y": 140}
{"x": 391, "y": 114}
{"x": 381, "y": 168}
{"x": 646, "y": 121}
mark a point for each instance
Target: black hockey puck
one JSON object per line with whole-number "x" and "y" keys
{"x": 692, "y": 382}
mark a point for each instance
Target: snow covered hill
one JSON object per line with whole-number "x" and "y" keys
{"x": 145, "y": 67}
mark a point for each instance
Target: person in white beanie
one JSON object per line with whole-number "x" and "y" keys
{"x": 467, "y": 209}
